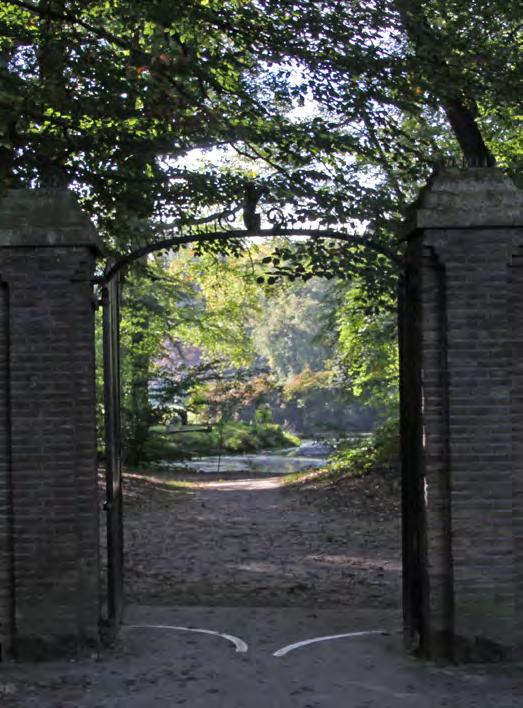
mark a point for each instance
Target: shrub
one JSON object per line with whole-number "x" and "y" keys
{"x": 377, "y": 452}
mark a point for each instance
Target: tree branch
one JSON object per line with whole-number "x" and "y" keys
{"x": 102, "y": 34}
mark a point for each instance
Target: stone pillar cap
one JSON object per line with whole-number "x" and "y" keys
{"x": 44, "y": 217}
{"x": 466, "y": 198}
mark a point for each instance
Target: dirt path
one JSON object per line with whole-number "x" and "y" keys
{"x": 253, "y": 560}
{"x": 254, "y": 542}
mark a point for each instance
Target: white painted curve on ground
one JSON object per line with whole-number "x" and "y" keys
{"x": 297, "y": 645}
{"x": 240, "y": 645}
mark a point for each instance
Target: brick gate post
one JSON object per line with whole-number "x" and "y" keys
{"x": 49, "y": 575}
{"x": 463, "y": 389}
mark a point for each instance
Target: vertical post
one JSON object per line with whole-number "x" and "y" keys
{"x": 466, "y": 226}
{"x": 49, "y": 595}
{"x": 113, "y": 472}
{"x": 410, "y": 493}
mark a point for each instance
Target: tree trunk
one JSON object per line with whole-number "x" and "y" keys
{"x": 468, "y": 134}
{"x": 427, "y": 41}
{"x": 52, "y": 61}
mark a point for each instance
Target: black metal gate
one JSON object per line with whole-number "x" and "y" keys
{"x": 111, "y": 321}
{"x": 113, "y": 463}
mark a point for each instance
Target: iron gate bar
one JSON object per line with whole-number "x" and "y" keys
{"x": 411, "y": 491}
{"x": 113, "y": 463}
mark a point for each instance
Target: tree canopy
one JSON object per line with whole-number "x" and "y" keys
{"x": 339, "y": 109}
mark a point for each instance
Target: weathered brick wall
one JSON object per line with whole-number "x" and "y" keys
{"x": 468, "y": 225}
{"x": 47, "y": 443}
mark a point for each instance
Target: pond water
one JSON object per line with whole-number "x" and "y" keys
{"x": 309, "y": 455}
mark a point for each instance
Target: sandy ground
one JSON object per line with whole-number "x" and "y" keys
{"x": 269, "y": 567}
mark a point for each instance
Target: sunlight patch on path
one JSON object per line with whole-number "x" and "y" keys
{"x": 241, "y": 485}
{"x": 173, "y": 485}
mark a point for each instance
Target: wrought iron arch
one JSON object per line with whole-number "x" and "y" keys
{"x": 116, "y": 265}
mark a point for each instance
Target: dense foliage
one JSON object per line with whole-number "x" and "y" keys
{"x": 340, "y": 108}
{"x": 203, "y": 343}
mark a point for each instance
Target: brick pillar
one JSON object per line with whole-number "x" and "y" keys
{"x": 463, "y": 440}
{"x": 49, "y": 579}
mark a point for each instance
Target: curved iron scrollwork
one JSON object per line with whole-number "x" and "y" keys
{"x": 227, "y": 219}
{"x": 277, "y": 218}
{"x": 274, "y": 216}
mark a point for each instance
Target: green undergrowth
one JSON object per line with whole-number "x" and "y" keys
{"x": 377, "y": 453}
{"x": 231, "y": 437}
